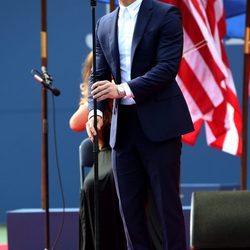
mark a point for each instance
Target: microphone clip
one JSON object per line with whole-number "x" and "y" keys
{"x": 45, "y": 79}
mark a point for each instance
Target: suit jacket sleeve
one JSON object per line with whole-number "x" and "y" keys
{"x": 168, "y": 57}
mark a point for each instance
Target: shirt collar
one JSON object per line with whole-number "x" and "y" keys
{"x": 133, "y": 8}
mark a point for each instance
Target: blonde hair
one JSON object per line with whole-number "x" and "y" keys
{"x": 85, "y": 76}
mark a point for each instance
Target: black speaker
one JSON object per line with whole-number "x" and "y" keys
{"x": 220, "y": 220}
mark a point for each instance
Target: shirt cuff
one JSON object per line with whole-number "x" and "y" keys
{"x": 128, "y": 91}
{"x": 91, "y": 113}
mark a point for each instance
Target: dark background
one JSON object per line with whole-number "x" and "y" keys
{"x": 69, "y": 23}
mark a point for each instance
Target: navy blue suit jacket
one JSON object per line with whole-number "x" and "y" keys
{"x": 155, "y": 57}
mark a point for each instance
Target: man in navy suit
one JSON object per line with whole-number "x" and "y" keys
{"x": 140, "y": 45}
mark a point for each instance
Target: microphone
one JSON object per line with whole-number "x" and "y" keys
{"x": 37, "y": 75}
{"x": 45, "y": 79}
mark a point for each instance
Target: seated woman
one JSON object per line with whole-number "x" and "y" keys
{"x": 111, "y": 229}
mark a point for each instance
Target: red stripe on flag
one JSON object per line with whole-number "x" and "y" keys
{"x": 194, "y": 87}
{"x": 218, "y": 123}
{"x": 211, "y": 17}
{"x": 191, "y": 138}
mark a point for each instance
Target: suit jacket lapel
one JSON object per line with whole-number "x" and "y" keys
{"x": 143, "y": 17}
{"x": 113, "y": 41}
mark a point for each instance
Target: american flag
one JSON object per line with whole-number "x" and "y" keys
{"x": 205, "y": 77}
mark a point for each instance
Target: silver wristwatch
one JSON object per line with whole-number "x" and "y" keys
{"x": 121, "y": 91}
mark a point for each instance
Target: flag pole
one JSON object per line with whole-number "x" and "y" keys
{"x": 44, "y": 118}
{"x": 245, "y": 101}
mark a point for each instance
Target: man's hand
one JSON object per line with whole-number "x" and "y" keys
{"x": 105, "y": 90}
{"x": 91, "y": 129}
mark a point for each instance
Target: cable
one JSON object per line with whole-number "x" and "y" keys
{"x": 59, "y": 175}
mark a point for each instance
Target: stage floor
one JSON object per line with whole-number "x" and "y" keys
{"x": 3, "y": 235}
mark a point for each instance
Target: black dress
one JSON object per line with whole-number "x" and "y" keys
{"x": 112, "y": 236}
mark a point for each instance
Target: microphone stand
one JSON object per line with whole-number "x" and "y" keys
{"x": 45, "y": 79}
{"x": 95, "y": 144}
{"x": 44, "y": 117}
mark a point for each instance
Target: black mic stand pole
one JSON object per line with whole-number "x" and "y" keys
{"x": 95, "y": 145}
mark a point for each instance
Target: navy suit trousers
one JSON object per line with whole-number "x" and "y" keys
{"x": 139, "y": 163}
